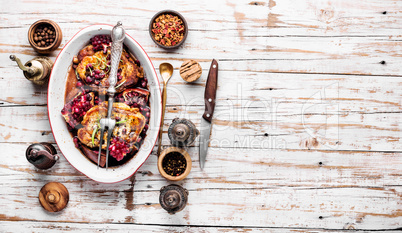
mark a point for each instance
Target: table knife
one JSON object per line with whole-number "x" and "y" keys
{"x": 206, "y": 119}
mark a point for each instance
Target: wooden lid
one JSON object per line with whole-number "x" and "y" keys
{"x": 190, "y": 70}
{"x": 53, "y": 196}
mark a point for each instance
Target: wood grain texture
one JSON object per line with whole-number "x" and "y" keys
{"x": 306, "y": 132}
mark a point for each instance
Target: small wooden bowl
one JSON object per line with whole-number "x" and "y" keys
{"x": 169, "y": 151}
{"x": 175, "y": 13}
{"x": 56, "y": 42}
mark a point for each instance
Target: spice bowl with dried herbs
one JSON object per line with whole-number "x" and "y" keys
{"x": 168, "y": 29}
{"x": 174, "y": 163}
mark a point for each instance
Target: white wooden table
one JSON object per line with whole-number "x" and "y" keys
{"x": 307, "y": 132}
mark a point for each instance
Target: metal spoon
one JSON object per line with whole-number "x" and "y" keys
{"x": 166, "y": 70}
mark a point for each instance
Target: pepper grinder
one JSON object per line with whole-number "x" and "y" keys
{"x": 182, "y": 132}
{"x": 42, "y": 155}
{"x": 36, "y": 70}
{"x": 173, "y": 198}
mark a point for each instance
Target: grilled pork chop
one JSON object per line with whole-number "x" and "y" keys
{"x": 129, "y": 124}
{"x": 94, "y": 67}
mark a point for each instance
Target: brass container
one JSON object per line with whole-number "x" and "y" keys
{"x": 36, "y": 70}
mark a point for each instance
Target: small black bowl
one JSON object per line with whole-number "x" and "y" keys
{"x": 175, "y": 13}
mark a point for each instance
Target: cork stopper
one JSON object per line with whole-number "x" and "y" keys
{"x": 190, "y": 70}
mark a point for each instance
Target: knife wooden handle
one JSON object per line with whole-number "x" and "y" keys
{"x": 210, "y": 91}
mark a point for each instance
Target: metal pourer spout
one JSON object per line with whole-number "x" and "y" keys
{"x": 36, "y": 70}
{"x": 30, "y": 70}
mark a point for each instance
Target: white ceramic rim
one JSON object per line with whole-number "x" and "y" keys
{"x": 56, "y": 92}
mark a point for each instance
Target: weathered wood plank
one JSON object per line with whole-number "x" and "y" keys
{"x": 264, "y": 168}
{"x": 244, "y": 48}
{"x": 259, "y": 128}
{"x": 352, "y": 92}
{"x": 237, "y": 188}
{"x": 347, "y": 55}
{"x": 23, "y": 226}
{"x": 285, "y": 17}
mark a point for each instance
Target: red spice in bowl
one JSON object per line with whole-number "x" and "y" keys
{"x": 168, "y": 29}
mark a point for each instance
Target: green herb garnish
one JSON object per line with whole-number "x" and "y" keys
{"x": 120, "y": 84}
{"x": 121, "y": 122}
{"x": 95, "y": 131}
{"x": 93, "y": 135}
{"x": 76, "y": 75}
{"x": 90, "y": 70}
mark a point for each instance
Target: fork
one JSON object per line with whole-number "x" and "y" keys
{"x": 107, "y": 124}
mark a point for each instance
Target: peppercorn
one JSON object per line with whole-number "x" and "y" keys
{"x": 44, "y": 36}
{"x": 174, "y": 164}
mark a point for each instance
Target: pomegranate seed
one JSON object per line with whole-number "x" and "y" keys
{"x": 90, "y": 79}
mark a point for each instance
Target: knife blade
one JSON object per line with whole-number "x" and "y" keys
{"x": 206, "y": 120}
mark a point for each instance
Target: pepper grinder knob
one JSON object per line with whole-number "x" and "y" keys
{"x": 36, "y": 70}
{"x": 42, "y": 155}
{"x": 182, "y": 132}
{"x": 54, "y": 196}
{"x": 173, "y": 198}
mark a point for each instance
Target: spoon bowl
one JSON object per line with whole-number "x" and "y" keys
{"x": 166, "y": 70}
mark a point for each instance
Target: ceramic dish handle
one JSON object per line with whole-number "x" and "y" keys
{"x": 118, "y": 35}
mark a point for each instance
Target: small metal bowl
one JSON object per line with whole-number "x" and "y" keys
{"x": 175, "y": 13}
{"x": 56, "y": 42}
